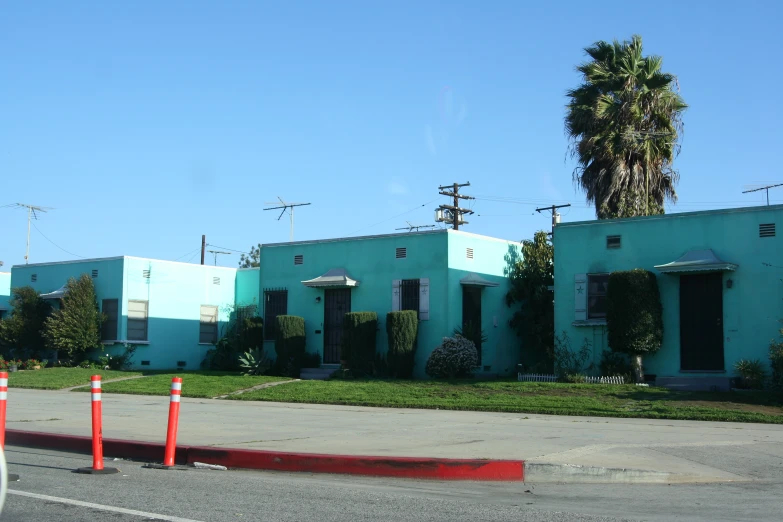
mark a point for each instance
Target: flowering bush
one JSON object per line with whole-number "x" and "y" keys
{"x": 456, "y": 357}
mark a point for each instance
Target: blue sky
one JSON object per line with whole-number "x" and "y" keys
{"x": 146, "y": 124}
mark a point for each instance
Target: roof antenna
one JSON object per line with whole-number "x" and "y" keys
{"x": 285, "y": 206}
{"x": 32, "y": 213}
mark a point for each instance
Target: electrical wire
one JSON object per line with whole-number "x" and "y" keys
{"x": 189, "y": 253}
{"x": 395, "y": 217}
{"x": 55, "y": 244}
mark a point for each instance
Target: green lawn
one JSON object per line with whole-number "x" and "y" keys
{"x": 59, "y": 378}
{"x": 546, "y": 398}
{"x": 201, "y": 384}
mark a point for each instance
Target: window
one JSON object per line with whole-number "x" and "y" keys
{"x": 401, "y": 253}
{"x": 596, "y": 295}
{"x": 613, "y": 242}
{"x": 275, "y": 303}
{"x": 409, "y": 295}
{"x": 137, "y": 320}
{"x": 767, "y": 230}
{"x": 110, "y": 308}
{"x": 208, "y": 325}
{"x": 299, "y": 259}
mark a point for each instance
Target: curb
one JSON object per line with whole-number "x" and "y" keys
{"x": 398, "y": 467}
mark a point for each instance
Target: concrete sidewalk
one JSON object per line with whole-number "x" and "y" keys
{"x": 667, "y": 451}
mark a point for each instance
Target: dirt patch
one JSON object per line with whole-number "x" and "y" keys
{"x": 736, "y": 406}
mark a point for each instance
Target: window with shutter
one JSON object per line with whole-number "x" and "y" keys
{"x": 137, "y": 320}
{"x": 208, "y": 325}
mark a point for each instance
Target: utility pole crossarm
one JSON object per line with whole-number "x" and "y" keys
{"x": 455, "y": 209}
{"x": 555, "y": 215}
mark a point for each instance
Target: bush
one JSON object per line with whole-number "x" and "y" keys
{"x": 614, "y": 364}
{"x": 223, "y": 357}
{"x": 634, "y": 315}
{"x": 124, "y": 361}
{"x": 567, "y": 362}
{"x": 255, "y": 362}
{"x": 751, "y": 372}
{"x": 251, "y": 335}
{"x": 776, "y": 362}
{"x": 290, "y": 345}
{"x": 311, "y": 360}
{"x": 456, "y": 357}
{"x": 359, "y": 334}
{"x": 401, "y": 329}
{"x": 472, "y": 332}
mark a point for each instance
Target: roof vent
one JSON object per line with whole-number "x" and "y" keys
{"x": 34, "y": 278}
{"x": 767, "y": 230}
{"x": 145, "y": 274}
{"x": 95, "y": 273}
{"x": 613, "y": 242}
{"x": 180, "y": 364}
{"x": 299, "y": 259}
{"x": 469, "y": 253}
{"x": 401, "y": 253}
{"x": 145, "y": 363}
{"x": 216, "y": 281}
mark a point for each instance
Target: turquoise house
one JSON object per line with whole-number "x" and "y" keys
{"x": 172, "y": 312}
{"x": 448, "y": 277}
{"x": 720, "y": 275}
{"x": 5, "y": 293}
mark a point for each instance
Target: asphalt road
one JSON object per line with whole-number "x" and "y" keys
{"x": 50, "y": 491}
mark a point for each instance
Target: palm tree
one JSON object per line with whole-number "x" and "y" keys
{"x": 625, "y": 123}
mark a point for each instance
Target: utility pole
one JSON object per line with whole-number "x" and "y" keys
{"x": 286, "y": 206}
{"x": 410, "y": 227}
{"x": 555, "y": 214}
{"x": 455, "y": 210}
{"x": 32, "y": 211}
{"x": 203, "y": 246}
{"x": 216, "y": 252}
{"x": 764, "y": 188}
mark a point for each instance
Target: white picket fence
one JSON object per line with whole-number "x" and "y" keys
{"x": 535, "y": 377}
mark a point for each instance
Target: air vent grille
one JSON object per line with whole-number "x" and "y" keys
{"x": 401, "y": 253}
{"x": 767, "y": 230}
{"x": 145, "y": 363}
{"x": 469, "y": 253}
{"x": 34, "y": 278}
{"x": 181, "y": 363}
{"x": 613, "y": 242}
{"x": 145, "y": 274}
{"x": 299, "y": 259}
{"x": 95, "y": 273}
{"x": 216, "y": 281}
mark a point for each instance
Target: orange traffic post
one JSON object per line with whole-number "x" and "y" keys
{"x": 97, "y": 432}
{"x": 171, "y": 432}
{"x": 3, "y": 401}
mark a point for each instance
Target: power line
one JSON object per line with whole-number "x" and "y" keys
{"x": 55, "y": 244}
{"x": 395, "y": 217}
{"x": 189, "y": 253}
{"x": 453, "y": 213}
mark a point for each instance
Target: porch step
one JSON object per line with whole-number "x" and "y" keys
{"x": 318, "y": 374}
{"x": 695, "y": 383}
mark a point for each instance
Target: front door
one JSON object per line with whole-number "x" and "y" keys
{"x": 701, "y": 322}
{"x": 337, "y": 304}
{"x": 471, "y": 315}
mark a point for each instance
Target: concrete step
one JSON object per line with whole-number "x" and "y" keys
{"x": 316, "y": 373}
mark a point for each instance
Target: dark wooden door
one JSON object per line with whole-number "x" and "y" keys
{"x": 471, "y": 314}
{"x": 337, "y": 304}
{"x": 701, "y": 322}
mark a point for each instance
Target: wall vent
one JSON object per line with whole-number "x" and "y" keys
{"x": 613, "y": 242}
{"x": 216, "y": 281}
{"x": 299, "y": 259}
{"x": 95, "y": 273}
{"x": 401, "y": 253}
{"x": 34, "y": 278}
{"x": 469, "y": 253}
{"x": 145, "y": 363}
{"x": 145, "y": 274}
{"x": 181, "y": 363}
{"x": 767, "y": 230}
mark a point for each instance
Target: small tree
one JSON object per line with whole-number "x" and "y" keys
{"x": 252, "y": 259}
{"x": 24, "y": 328}
{"x": 531, "y": 278}
{"x": 634, "y": 315}
{"x": 76, "y": 327}
{"x": 359, "y": 335}
{"x": 402, "y": 328}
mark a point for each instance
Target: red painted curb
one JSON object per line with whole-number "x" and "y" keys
{"x": 401, "y": 467}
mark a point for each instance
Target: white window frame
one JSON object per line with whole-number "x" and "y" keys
{"x": 140, "y": 320}
{"x": 208, "y": 324}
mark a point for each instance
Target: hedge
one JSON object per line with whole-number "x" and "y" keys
{"x": 401, "y": 329}
{"x": 290, "y": 344}
{"x": 359, "y": 334}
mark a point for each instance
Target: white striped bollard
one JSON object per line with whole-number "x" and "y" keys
{"x": 10, "y": 477}
{"x": 97, "y": 432}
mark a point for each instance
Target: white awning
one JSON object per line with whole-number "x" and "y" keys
{"x": 476, "y": 280}
{"x": 696, "y": 261}
{"x": 57, "y": 294}
{"x": 334, "y": 278}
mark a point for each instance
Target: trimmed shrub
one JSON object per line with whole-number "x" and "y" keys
{"x": 776, "y": 362}
{"x": 290, "y": 344}
{"x": 456, "y": 357}
{"x": 634, "y": 315}
{"x": 359, "y": 334}
{"x": 251, "y": 335}
{"x": 401, "y": 329}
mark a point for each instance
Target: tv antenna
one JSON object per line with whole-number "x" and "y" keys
{"x": 216, "y": 252}
{"x": 411, "y": 227}
{"x": 286, "y": 206}
{"x": 32, "y": 213}
{"x": 764, "y": 188}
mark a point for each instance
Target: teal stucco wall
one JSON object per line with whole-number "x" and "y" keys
{"x": 752, "y": 307}
{"x": 247, "y": 285}
{"x": 5, "y": 293}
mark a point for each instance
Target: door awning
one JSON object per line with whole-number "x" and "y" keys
{"x": 334, "y": 278}
{"x": 476, "y": 280}
{"x": 57, "y": 294}
{"x": 697, "y": 261}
